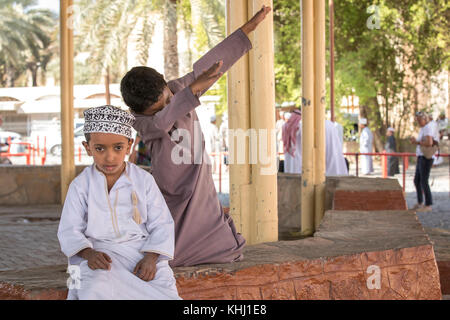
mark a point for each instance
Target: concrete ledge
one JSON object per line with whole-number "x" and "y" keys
{"x": 371, "y": 194}
{"x": 31, "y": 185}
{"x": 331, "y": 265}
{"x": 24, "y": 185}
{"x": 441, "y": 244}
{"x": 342, "y": 193}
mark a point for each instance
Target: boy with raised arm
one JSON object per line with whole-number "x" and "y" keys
{"x": 166, "y": 120}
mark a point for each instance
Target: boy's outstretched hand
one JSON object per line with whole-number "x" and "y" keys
{"x": 207, "y": 78}
{"x": 146, "y": 268}
{"x": 257, "y": 18}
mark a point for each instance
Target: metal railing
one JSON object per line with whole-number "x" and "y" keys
{"x": 405, "y": 158}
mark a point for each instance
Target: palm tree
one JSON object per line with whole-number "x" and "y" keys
{"x": 24, "y": 39}
{"x": 106, "y": 28}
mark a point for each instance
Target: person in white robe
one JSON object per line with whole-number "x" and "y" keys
{"x": 108, "y": 232}
{"x": 212, "y": 141}
{"x": 292, "y": 142}
{"x": 434, "y": 129}
{"x": 335, "y": 162}
{"x": 365, "y": 146}
{"x": 340, "y": 132}
{"x": 279, "y": 131}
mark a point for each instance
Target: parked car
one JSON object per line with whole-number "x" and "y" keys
{"x": 15, "y": 137}
{"x": 55, "y": 147}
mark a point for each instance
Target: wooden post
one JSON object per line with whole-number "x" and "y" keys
{"x": 307, "y": 190}
{"x": 331, "y": 14}
{"x": 66, "y": 71}
{"x": 262, "y": 115}
{"x": 239, "y": 119}
{"x": 253, "y": 185}
{"x": 319, "y": 110}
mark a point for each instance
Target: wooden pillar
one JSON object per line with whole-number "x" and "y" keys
{"x": 307, "y": 191}
{"x": 262, "y": 115}
{"x": 331, "y": 14}
{"x": 319, "y": 110}
{"x": 239, "y": 118}
{"x": 66, "y": 72}
{"x": 251, "y": 101}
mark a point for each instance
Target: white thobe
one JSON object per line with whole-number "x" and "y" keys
{"x": 223, "y": 134}
{"x": 335, "y": 162}
{"x": 94, "y": 218}
{"x": 293, "y": 163}
{"x": 279, "y": 134}
{"x": 365, "y": 146}
{"x": 211, "y": 134}
{"x": 340, "y": 132}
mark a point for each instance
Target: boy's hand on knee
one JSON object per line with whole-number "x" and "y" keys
{"x": 207, "y": 78}
{"x": 257, "y": 18}
{"x": 96, "y": 259}
{"x": 146, "y": 268}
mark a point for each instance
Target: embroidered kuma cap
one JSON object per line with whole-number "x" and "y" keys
{"x": 108, "y": 119}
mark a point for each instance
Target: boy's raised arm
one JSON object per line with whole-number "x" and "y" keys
{"x": 206, "y": 72}
{"x": 230, "y": 50}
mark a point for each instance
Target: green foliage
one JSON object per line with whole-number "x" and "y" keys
{"x": 287, "y": 37}
{"x": 26, "y": 38}
{"x": 389, "y": 62}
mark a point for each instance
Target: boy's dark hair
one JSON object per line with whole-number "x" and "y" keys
{"x": 141, "y": 87}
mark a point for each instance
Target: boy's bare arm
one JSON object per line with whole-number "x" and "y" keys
{"x": 210, "y": 76}
{"x": 251, "y": 25}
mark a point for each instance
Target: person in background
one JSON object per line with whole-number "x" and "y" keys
{"x": 211, "y": 134}
{"x": 140, "y": 154}
{"x": 223, "y": 138}
{"x": 292, "y": 136}
{"x": 443, "y": 125}
{"x": 279, "y": 135}
{"x": 292, "y": 142}
{"x": 423, "y": 164}
{"x": 434, "y": 128}
{"x": 391, "y": 147}
{"x": 366, "y": 146}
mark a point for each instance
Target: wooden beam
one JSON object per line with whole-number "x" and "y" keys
{"x": 307, "y": 190}
{"x": 66, "y": 72}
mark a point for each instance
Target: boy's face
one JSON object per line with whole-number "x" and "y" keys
{"x": 163, "y": 101}
{"x": 422, "y": 121}
{"x": 108, "y": 150}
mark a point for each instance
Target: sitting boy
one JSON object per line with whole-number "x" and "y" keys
{"x": 115, "y": 224}
{"x": 167, "y": 122}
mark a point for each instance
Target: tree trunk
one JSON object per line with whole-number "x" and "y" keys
{"x": 107, "y": 91}
{"x": 34, "y": 72}
{"x": 378, "y": 131}
{"x": 171, "y": 64}
{"x": 10, "y": 76}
